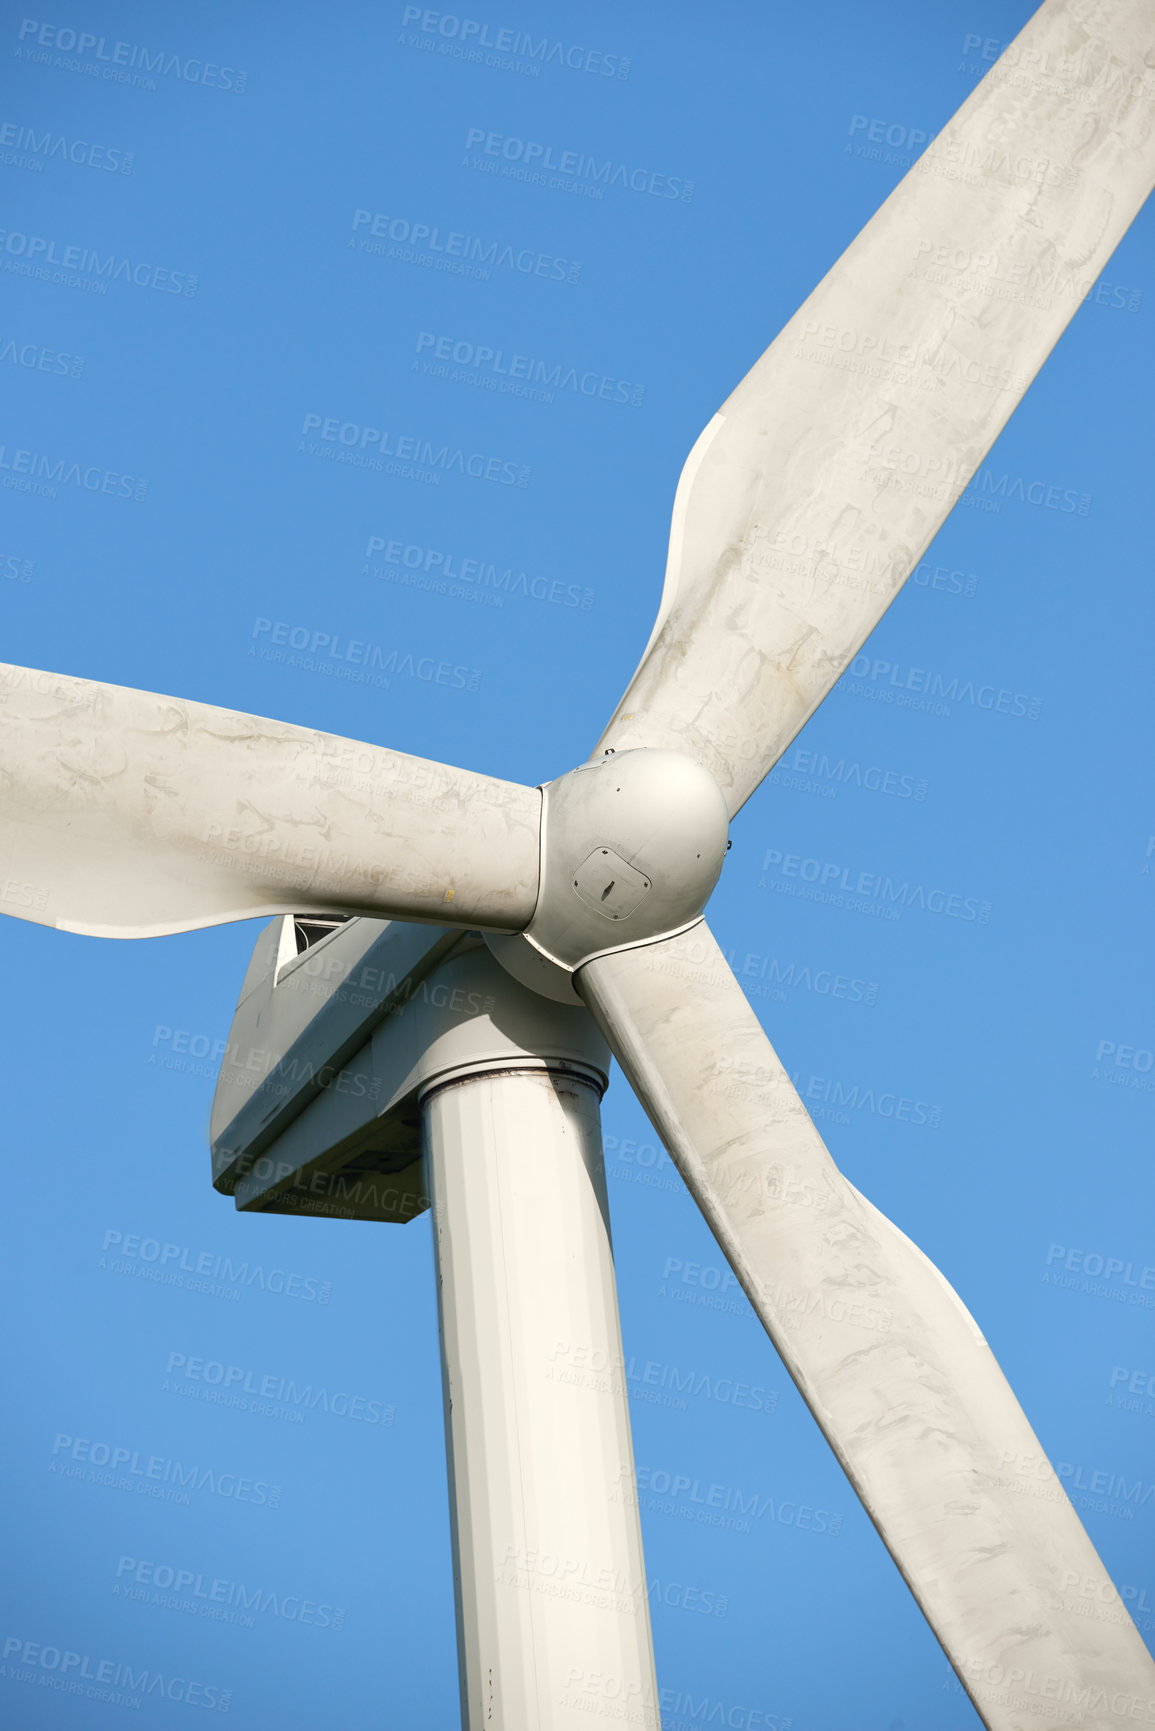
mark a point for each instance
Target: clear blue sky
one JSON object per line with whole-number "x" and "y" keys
{"x": 279, "y": 241}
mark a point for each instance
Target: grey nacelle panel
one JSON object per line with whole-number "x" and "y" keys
{"x": 317, "y": 1108}
{"x": 301, "y": 1019}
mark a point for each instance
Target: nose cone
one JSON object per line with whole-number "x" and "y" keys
{"x": 666, "y": 816}
{"x": 631, "y": 848}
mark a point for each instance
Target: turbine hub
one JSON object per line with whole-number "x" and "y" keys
{"x": 631, "y": 847}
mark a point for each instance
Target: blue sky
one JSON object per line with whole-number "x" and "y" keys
{"x": 280, "y": 195}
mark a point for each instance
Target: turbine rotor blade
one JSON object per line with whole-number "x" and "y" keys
{"x": 124, "y": 814}
{"x": 893, "y": 1367}
{"x": 813, "y": 493}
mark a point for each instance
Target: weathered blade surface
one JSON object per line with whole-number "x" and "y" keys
{"x": 127, "y": 815}
{"x": 812, "y": 495}
{"x": 895, "y": 1370}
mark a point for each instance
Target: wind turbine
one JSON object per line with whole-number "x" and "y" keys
{"x": 134, "y": 815}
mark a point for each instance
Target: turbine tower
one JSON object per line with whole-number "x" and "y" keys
{"x": 518, "y": 936}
